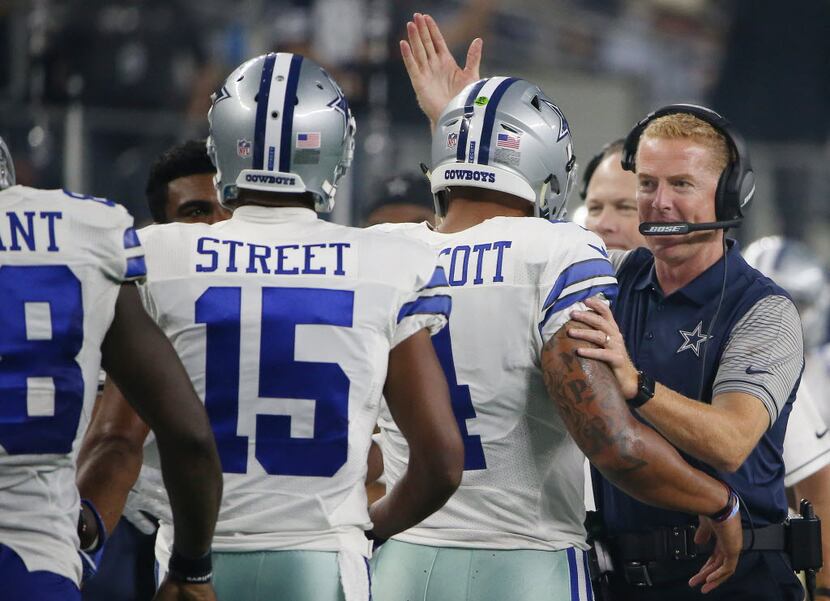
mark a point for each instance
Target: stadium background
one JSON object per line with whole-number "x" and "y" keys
{"x": 91, "y": 92}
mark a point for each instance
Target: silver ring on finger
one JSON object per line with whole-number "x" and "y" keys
{"x": 607, "y": 338}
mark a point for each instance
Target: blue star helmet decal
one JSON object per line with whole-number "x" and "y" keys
{"x": 564, "y": 128}
{"x": 221, "y": 95}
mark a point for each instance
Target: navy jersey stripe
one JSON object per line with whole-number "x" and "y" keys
{"x": 288, "y": 112}
{"x": 490, "y": 120}
{"x": 438, "y": 279}
{"x": 262, "y": 109}
{"x": 609, "y": 290}
{"x": 135, "y": 267}
{"x": 440, "y": 303}
{"x": 578, "y": 272}
{"x": 469, "y": 108}
{"x": 131, "y": 238}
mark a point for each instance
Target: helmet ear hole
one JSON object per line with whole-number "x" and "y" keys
{"x": 553, "y": 181}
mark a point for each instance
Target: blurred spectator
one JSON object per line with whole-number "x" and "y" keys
{"x": 775, "y": 87}
{"x": 129, "y": 55}
{"x": 775, "y": 80}
{"x": 671, "y": 46}
{"x": 404, "y": 198}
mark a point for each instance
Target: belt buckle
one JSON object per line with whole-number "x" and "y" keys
{"x": 680, "y": 543}
{"x": 636, "y": 574}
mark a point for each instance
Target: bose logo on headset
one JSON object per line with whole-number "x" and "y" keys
{"x": 470, "y": 175}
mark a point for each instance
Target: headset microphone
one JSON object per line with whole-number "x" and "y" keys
{"x": 674, "y": 228}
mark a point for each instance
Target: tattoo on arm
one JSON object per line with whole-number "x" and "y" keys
{"x": 591, "y": 404}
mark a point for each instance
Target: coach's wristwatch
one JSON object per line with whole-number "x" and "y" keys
{"x": 645, "y": 390}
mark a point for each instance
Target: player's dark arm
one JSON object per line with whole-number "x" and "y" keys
{"x": 374, "y": 464}
{"x": 111, "y": 454}
{"x": 418, "y": 398}
{"x": 142, "y": 362}
{"x": 631, "y": 455}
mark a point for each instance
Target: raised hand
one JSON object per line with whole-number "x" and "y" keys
{"x": 435, "y": 76}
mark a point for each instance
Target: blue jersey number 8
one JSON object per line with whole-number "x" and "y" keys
{"x": 280, "y": 376}
{"x": 41, "y": 334}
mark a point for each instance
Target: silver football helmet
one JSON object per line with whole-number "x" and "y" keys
{"x": 280, "y": 123}
{"x": 505, "y": 134}
{"x": 7, "y": 177}
{"x": 795, "y": 268}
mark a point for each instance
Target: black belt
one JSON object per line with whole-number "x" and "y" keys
{"x": 664, "y": 554}
{"x": 677, "y": 543}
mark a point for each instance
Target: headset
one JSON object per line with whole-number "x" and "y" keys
{"x": 736, "y": 185}
{"x": 605, "y": 152}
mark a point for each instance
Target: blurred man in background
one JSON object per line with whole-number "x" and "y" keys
{"x": 403, "y": 198}
{"x": 610, "y": 199}
{"x": 180, "y": 186}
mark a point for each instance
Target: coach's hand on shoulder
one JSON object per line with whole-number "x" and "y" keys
{"x": 435, "y": 76}
{"x": 171, "y": 590}
{"x": 599, "y": 327}
{"x": 724, "y": 559}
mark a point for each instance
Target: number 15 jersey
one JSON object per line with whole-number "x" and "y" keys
{"x": 284, "y": 323}
{"x": 514, "y": 282}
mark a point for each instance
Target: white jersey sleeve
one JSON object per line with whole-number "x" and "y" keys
{"x": 570, "y": 278}
{"x": 428, "y": 306}
{"x": 63, "y": 257}
{"x": 806, "y": 443}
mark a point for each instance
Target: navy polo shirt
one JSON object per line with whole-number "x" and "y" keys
{"x": 667, "y": 337}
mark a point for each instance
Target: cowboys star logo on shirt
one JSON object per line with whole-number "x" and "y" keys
{"x": 692, "y": 340}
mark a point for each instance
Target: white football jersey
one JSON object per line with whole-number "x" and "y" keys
{"x": 817, "y": 378}
{"x": 284, "y": 323}
{"x": 62, "y": 260}
{"x": 514, "y": 282}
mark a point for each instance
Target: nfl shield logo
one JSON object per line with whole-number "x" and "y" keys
{"x": 243, "y": 148}
{"x": 452, "y": 140}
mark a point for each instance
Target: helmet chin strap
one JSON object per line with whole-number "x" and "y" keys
{"x": 542, "y": 197}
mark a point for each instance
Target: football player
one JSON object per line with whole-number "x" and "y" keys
{"x": 291, "y": 328}
{"x": 806, "y": 445}
{"x": 68, "y": 264}
{"x": 525, "y": 403}
{"x": 179, "y": 188}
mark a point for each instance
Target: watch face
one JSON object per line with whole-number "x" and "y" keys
{"x": 645, "y": 390}
{"x": 646, "y": 385}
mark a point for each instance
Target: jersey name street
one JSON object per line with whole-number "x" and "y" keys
{"x": 234, "y": 256}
